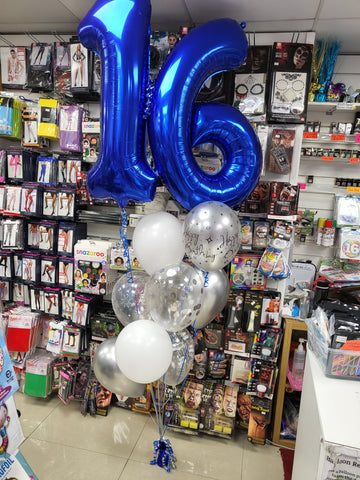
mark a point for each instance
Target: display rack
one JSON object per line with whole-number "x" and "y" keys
{"x": 291, "y": 325}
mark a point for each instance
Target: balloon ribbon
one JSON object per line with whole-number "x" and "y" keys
{"x": 163, "y": 454}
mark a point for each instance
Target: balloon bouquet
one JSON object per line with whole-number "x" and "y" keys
{"x": 156, "y": 307}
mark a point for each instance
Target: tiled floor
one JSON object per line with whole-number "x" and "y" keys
{"x": 61, "y": 443}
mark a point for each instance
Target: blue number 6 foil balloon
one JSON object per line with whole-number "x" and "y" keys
{"x": 176, "y": 124}
{"x": 119, "y": 32}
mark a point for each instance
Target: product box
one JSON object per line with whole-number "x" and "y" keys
{"x": 91, "y": 139}
{"x": 283, "y": 199}
{"x": 38, "y": 379}
{"x": 250, "y": 83}
{"x": 290, "y": 75}
{"x": 219, "y": 411}
{"x": 91, "y": 269}
{"x": 258, "y": 200}
{"x": 244, "y": 273}
{"x": 260, "y": 418}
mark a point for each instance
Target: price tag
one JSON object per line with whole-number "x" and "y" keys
{"x": 327, "y": 159}
{"x": 345, "y": 106}
{"x": 338, "y": 137}
{"x": 354, "y": 160}
{"x": 352, "y": 189}
{"x": 302, "y": 186}
{"x": 357, "y": 138}
{"x": 311, "y": 135}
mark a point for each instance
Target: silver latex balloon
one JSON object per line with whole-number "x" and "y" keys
{"x": 215, "y": 297}
{"x": 182, "y": 358}
{"x": 128, "y": 299}
{"x": 109, "y": 374}
{"x": 212, "y": 235}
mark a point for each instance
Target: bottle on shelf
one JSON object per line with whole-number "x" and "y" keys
{"x": 299, "y": 361}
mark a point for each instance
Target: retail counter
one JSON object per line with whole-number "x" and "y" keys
{"x": 328, "y": 438}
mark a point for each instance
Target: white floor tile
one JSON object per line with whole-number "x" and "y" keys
{"x": 34, "y": 410}
{"x": 115, "y": 434}
{"x": 134, "y": 470}
{"x": 51, "y": 461}
{"x": 204, "y": 455}
{"x": 261, "y": 459}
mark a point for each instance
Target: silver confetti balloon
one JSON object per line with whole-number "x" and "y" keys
{"x": 128, "y": 299}
{"x": 109, "y": 374}
{"x": 215, "y": 297}
{"x": 212, "y": 235}
{"x": 173, "y": 295}
{"x": 182, "y": 358}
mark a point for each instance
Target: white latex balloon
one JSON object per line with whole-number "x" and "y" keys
{"x": 109, "y": 374}
{"x": 212, "y": 234}
{"x": 158, "y": 241}
{"x": 143, "y": 351}
{"x": 214, "y": 299}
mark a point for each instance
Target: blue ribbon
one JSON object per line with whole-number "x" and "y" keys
{"x": 163, "y": 455}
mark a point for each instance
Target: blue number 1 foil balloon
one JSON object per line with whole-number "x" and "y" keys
{"x": 176, "y": 124}
{"x": 119, "y": 32}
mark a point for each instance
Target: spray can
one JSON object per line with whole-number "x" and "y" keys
{"x": 328, "y": 237}
{"x": 320, "y": 230}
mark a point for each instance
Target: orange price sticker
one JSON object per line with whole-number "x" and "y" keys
{"x": 338, "y": 137}
{"x": 327, "y": 159}
{"x": 352, "y": 189}
{"x": 310, "y": 135}
{"x": 354, "y": 160}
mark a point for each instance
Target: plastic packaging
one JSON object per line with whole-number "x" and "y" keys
{"x": 299, "y": 360}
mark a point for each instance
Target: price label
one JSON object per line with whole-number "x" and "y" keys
{"x": 327, "y": 159}
{"x": 345, "y": 106}
{"x": 313, "y": 135}
{"x": 354, "y": 160}
{"x": 357, "y": 138}
{"x": 338, "y": 137}
{"x": 352, "y": 189}
{"x": 302, "y": 186}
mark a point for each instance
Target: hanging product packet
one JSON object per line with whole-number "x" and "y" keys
{"x": 70, "y": 128}
{"x": 268, "y": 261}
{"x": 48, "y": 126}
